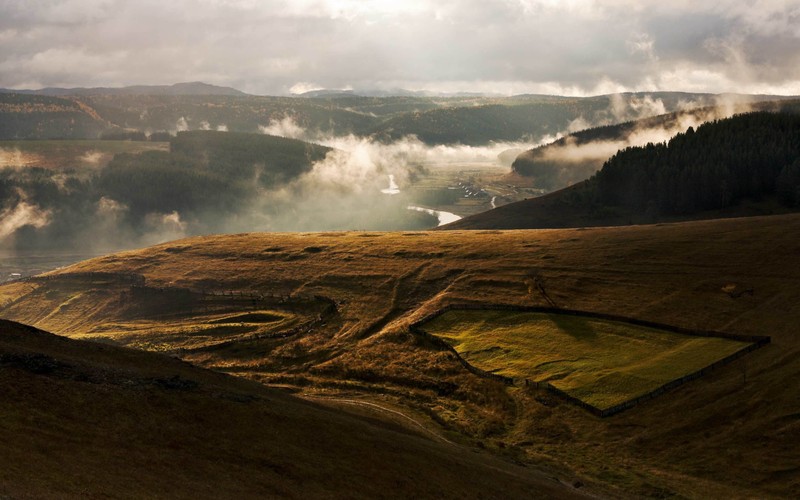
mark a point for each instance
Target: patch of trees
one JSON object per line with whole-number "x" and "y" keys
{"x": 749, "y": 156}
{"x": 207, "y": 177}
{"x": 123, "y": 135}
{"x": 205, "y": 171}
{"x": 44, "y": 117}
{"x": 482, "y": 124}
{"x": 270, "y": 159}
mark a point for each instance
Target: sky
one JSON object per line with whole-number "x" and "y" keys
{"x": 276, "y": 47}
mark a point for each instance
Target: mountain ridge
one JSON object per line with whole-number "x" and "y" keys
{"x": 182, "y": 88}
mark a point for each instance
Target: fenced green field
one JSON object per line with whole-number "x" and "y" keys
{"x": 600, "y": 362}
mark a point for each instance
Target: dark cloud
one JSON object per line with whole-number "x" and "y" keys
{"x": 513, "y": 46}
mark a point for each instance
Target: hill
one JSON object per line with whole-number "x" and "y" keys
{"x": 527, "y": 118}
{"x": 744, "y": 165}
{"x": 464, "y": 119}
{"x": 329, "y": 315}
{"x": 577, "y": 156}
{"x": 188, "y": 88}
{"x": 45, "y": 117}
{"x": 203, "y": 180}
{"x": 86, "y": 419}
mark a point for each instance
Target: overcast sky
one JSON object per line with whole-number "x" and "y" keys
{"x": 575, "y": 47}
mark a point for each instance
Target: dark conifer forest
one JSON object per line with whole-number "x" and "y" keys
{"x": 749, "y": 156}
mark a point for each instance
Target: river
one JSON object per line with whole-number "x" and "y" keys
{"x": 444, "y": 217}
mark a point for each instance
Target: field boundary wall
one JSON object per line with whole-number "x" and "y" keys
{"x": 756, "y": 342}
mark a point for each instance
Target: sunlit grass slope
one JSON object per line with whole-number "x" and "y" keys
{"x": 731, "y": 433}
{"x": 602, "y": 363}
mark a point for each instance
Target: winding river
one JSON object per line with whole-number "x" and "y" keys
{"x": 444, "y": 217}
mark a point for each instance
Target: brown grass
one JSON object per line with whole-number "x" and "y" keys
{"x": 729, "y": 434}
{"x": 83, "y": 420}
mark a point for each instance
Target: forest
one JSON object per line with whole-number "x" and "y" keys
{"x": 206, "y": 177}
{"x": 749, "y": 156}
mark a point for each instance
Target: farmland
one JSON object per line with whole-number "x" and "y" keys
{"x": 600, "y": 362}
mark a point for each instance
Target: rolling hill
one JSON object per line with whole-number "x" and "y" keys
{"x": 83, "y": 419}
{"x": 186, "y": 88}
{"x": 740, "y": 166}
{"x": 467, "y": 119}
{"x": 329, "y": 315}
{"x": 46, "y": 117}
{"x": 113, "y": 194}
{"x": 577, "y": 156}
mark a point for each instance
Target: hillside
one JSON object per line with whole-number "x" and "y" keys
{"x": 577, "y": 156}
{"x": 186, "y": 88}
{"x": 117, "y": 194}
{"x": 83, "y": 419}
{"x": 740, "y": 166}
{"x": 45, "y": 117}
{"x": 473, "y": 120}
{"x": 329, "y": 315}
{"x": 527, "y": 118}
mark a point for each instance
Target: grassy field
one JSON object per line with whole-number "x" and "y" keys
{"x": 732, "y": 433}
{"x": 602, "y": 363}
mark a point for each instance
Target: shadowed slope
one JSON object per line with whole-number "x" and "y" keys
{"x": 83, "y": 419}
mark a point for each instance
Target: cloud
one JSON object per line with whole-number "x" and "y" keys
{"x": 568, "y": 161}
{"x": 285, "y": 127}
{"x": 509, "y": 46}
{"x": 16, "y": 158}
{"x": 182, "y": 125}
{"x": 20, "y": 215}
{"x": 348, "y": 189}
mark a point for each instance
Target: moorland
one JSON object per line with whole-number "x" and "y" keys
{"x": 735, "y": 426}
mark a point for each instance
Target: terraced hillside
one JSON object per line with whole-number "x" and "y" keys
{"x": 729, "y": 433}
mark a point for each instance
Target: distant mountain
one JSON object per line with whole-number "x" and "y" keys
{"x": 188, "y": 88}
{"x": 462, "y": 119}
{"x": 745, "y": 165}
{"x": 480, "y": 120}
{"x": 390, "y": 93}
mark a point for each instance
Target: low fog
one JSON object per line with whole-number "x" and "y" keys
{"x": 575, "y": 158}
{"x": 349, "y": 188}
{"x": 67, "y": 208}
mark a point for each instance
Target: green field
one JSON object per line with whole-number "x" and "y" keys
{"x": 600, "y": 362}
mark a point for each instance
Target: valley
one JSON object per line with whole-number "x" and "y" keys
{"x": 304, "y": 262}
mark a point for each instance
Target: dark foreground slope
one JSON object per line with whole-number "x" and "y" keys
{"x": 81, "y": 419}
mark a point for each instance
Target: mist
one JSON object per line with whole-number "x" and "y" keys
{"x": 574, "y": 158}
{"x": 347, "y": 189}
{"x": 22, "y": 214}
